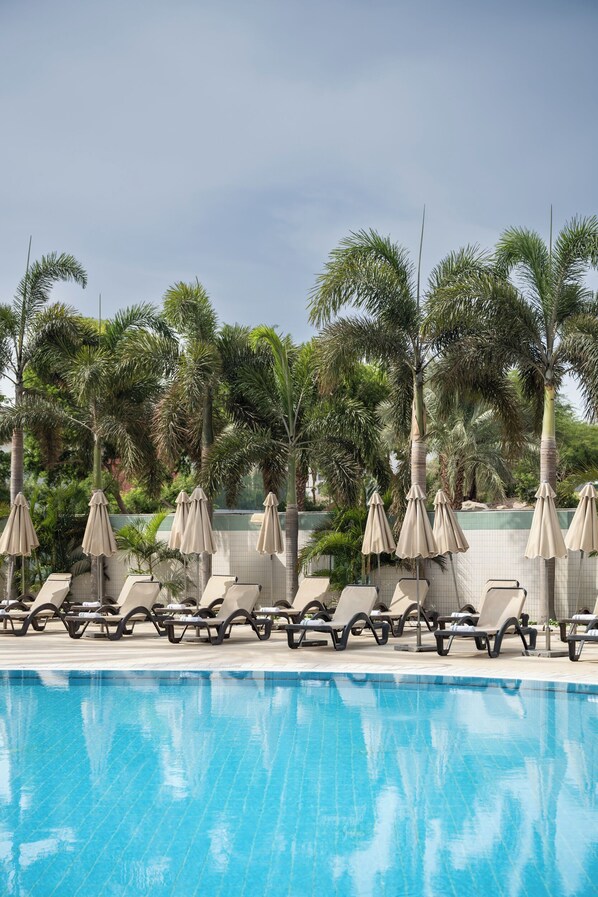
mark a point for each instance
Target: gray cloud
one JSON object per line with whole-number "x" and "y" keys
{"x": 239, "y": 142}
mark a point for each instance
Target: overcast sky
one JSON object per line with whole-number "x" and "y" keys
{"x": 240, "y": 141}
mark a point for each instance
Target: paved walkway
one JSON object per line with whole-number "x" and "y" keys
{"x": 144, "y": 650}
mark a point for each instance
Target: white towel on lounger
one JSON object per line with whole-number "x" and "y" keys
{"x": 314, "y": 623}
{"x": 91, "y": 604}
{"x": 583, "y": 618}
{"x": 91, "y": 615}
{"x": 456, "y": 627}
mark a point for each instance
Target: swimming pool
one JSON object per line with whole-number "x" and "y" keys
{"x": 247, "y": 785}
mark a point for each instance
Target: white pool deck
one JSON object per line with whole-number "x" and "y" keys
{"x": 144, "y": 650}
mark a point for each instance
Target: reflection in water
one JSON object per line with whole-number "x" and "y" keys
{"x": 235, "y": 786}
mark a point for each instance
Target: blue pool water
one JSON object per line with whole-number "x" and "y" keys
{"x": 219, "y": 785}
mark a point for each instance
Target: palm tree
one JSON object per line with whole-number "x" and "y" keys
{"x": 20, "y": 332}
{"x": 376, "y": 277}
{"x": 279, "y": 420}
{"x": 107, "y": 383}
{"x": 139, "y": 541}
{"x": 467, "y": 439}
{"x": 184, "y": 416}
{"x": 532, "y": 312}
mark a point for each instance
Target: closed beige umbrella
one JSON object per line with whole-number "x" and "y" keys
{"x": 416, "y": 542}
{"x": 582, "y": 534}
{"x": 181, "y": 515}
{"x": 448, "y": 534}
{"x": 546, "y": 541}
{"x": 377, "y": 538}
{"x": 19, "y": 537}
{"x": 98, "y": 539}
{"x": 269, "y": 540}
{"x": 198, "y": 537}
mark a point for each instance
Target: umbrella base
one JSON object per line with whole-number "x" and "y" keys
{"x": 415, "y": 649}
{"x": 543, "y": 652}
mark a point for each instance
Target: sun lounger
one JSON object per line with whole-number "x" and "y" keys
{"x": 352, "y": 614}
{"x": 90, "y": 605}
{"x": 584, "y": 617}
{"x": 211, "y": 598}
{"x": 308, "y": 600}
{"x": 114, "y": 622}
{"x": 577, "y": 641}
{"x": 501, "y": 611}
{"x": 238, "y": 607}
{"x": 403, "y": 606}
{"x": 468, "y": 610}
{"x": 46, "y": 606}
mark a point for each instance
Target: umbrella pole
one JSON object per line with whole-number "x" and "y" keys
{"x": 454, "y": 578}
{"x": 546, "y": 606}
{"x": 100, "y": 564}
{"x": 379, "y": 577}
{"x": 198, "y": 580}
{"x": 418, "y": 640}
{"x": 579, "y": 579}
{"x": 23, "y": 576}
{"x": 271, "y": 579}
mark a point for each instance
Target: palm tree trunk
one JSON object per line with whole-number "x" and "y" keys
{"x": 302, "y": 478}
{"x": 548, "y": 475}
{"x": 17, "y": 454}
{"x": 207, "y": 441}
{"x": 418, "y": 434}
{"x": 291, "y": 529}
{"x": 97, "y": 564}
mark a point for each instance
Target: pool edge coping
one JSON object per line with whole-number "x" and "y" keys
{"x": 505, "y": 683}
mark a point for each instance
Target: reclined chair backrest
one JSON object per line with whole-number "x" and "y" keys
{"x": 500, "y": 605}
{"x": 311, "y": 588}
{"x": 405, "y": 594}
{"x": 53, "y": 591}
{"x": 216, "y": 587}
{"x": 142, "y": 593}
{"x": 240, "y": 596}
{"x": 128, "y": 584}
{"x": 496, "y": 584}
{"x": 354, "y": 600}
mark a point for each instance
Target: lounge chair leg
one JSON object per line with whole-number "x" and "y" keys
{"x": 574, "y": 652}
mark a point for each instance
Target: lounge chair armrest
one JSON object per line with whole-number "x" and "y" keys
{"x": 467, "y": 609}
{"x": 282, "y": 603}
{"x": 214, "y": 605}
{"x": 108, "y": 609}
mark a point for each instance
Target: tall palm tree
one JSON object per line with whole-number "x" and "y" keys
{"x": 278, "y": 418}
{"x": 107, "y": 383}
{"x": 20, "y": 332}
{"x": 184, "y": 419}
{"x": 376, "y": 277}
{"x": 533, "y": 312}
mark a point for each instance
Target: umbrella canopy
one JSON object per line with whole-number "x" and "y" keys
{"x": 270, "y": 538}
{"x": 545, "y": 537}
{"x": 448, "y": 535}
{"x": 198, "y": 536}
{"x": 98, "y": 538}
{"x": 377, "y": 538}
{"x": 181, "y": 515}
{"x": 19, "y": 536}
{"x": 416, "y": 539}
{"x": 583, "y": 532}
